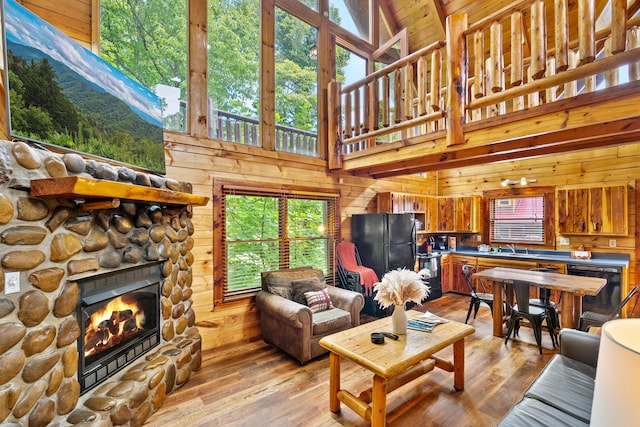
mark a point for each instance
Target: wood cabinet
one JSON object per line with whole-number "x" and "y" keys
{"x": 595, "y": 210}
{"x": 436, "y": 214}
{"x": 459, "y": 282}
{"x": 446, "y": 214}
{"x": 445, "y": 263}
{"x": 423, "y": 208}
{"x": 460, "y": 214}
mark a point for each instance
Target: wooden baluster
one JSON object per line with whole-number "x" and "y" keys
{"x": 551, "y": 70}
{"x": 347, "y": 116}
{"x": 492, "y": 110}
{"x": 436, "y": 79}
{"x": 610, "y": 76}
{"x": 397, "y": 94}
{"x": 561, "y": 38}
{"x": 571, "y": 88}
{"x": 478, "y": 70}
{"x": 497, "y": 80}
{"x": 356, "y": 111}
{"x": 422, "y": 86}
{"x": 366, "y": 117}
{"x": 533, "y": 98}
{"x": 375, "y": 103}
{"x": 590, "y": 84}
{"x": 586, "y": 31}
{"x": 618, "y": 26}
{"x": 538, "y": 40}
{"x": 518, "y": 103}
{"x": 516, "y": 49}
{"x": 386, "y": 96}
{"x": 457, "y": 74}
{"x": 408, "y": 92}
{"x": 634, "y": 42}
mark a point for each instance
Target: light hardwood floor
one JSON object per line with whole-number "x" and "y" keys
{"x": 255, "y": 384}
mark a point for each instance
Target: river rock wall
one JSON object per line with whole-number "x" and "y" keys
{"x": 51, "y": 244}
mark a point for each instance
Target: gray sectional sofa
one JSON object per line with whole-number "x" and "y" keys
{"x": 563, "y": 392}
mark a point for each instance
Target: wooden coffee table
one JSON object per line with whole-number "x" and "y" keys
{"x": 393, "y": 363}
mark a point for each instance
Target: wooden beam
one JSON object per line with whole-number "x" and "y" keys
{"x": 267, "y": 75}
{"x": 198, "y": 68}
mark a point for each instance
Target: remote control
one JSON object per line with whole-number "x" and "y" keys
{"x": 390, "y": 335}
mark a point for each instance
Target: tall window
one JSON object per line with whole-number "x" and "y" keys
{"x": 147, "y": 40}
{"x": 234, "y": 70}
{"x": 268, "y": 231}
{"x": 518, "y": 219}
{"x": 296, "y": 85}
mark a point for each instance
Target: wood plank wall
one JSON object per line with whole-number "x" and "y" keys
{"x": 72, "y": 17}
{"x": 201, "y": 161}
{"x": 610, "y": 166}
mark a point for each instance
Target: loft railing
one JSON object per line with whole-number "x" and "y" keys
{"x": 402, "y": 100}
{"x": 244, "y": 130}
{"x": 566, "y": 57}
{"x": 521, "y": 57}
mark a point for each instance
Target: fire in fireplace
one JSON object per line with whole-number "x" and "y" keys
{"x": 119, "y": 316}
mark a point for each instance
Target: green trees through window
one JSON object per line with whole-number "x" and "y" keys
{"x": 270, "y": 232}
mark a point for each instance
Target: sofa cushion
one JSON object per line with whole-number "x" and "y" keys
{"x": 318, "y": 300}
{"x": 307, "y": 284}
{"x": 331, "y": 320}
{"x": 530, "y": 412}
{"x": 279, "y": 282}
{"x": 567, "y": 385}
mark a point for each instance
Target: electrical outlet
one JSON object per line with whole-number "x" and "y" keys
{"x": 12, "y": 282}
{"x": 564, "y": 241}
{"x": 612, "y": 243}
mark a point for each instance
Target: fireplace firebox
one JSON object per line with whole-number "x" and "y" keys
{"x": 119, "y": 318}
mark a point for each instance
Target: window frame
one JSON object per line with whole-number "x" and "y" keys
{"x": 283, "y": 193}
{"x": 549, "y": 212}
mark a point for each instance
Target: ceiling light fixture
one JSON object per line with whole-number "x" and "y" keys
{"x": 522, "y": 181}
{"x": 525, "y": 181}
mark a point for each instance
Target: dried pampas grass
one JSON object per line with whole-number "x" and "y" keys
{"x": 400, "y": 286}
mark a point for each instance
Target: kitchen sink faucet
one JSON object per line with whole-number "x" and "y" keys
{"x": 512, "y": 247}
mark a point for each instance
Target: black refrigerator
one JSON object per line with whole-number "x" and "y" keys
{"x": 385, "y": 242}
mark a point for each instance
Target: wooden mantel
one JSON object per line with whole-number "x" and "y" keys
{"x": 77, "y": 187}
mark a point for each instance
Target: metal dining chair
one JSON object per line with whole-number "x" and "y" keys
{"x": 589, "y": 318}
{"x": 532, "y": 313}
{"x": 544, "y": 300}
{"x": 478, "y": 296}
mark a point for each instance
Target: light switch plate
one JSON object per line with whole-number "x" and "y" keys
{"x": 12, "y": 282}
{"x": 564, "y": 241}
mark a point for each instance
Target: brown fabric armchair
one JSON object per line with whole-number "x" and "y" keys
{"x": 292, "y": 326}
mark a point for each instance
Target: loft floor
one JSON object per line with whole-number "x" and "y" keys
{"x": 256, "y": 384}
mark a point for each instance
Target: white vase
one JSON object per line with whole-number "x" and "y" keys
{"x": 399, "y": 320}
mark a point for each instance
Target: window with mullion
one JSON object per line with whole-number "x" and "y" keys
{"x": 264, "y": 232}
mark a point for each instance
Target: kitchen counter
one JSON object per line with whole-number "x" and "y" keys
{"x": 597, "y": 258}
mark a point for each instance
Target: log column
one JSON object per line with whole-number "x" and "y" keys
{"x": 456, "y": 77}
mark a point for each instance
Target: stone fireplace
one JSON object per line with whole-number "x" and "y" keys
{"x": 101, "y": 329}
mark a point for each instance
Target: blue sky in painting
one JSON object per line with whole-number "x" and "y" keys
{"x": 23, "y": 27}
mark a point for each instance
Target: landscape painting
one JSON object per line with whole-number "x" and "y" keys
{"x": 61, "y": 94}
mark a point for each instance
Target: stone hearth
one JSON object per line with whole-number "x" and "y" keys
{"x": 53, "y": 243}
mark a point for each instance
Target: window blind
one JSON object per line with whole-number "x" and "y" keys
{"x": 517, "y": 219}
{"x": 266, "y": 230}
